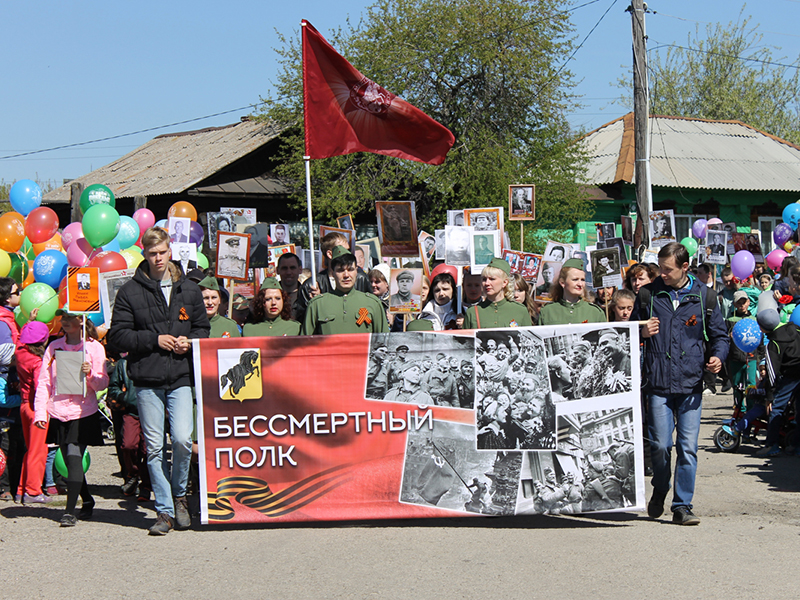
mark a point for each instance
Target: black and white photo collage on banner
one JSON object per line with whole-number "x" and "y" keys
{"x": 424, "y": 369}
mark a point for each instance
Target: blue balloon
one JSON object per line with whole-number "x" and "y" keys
{"x": 97, "y": 318}
{"x": 50, "y": 267}
{"x": 791, "y": 215}
{"x": 25, "y": 195}
{"x": 163, "y": 224}
{"x": 128, "y": 232}
{"x": 747, "y": 335}
{"x": 113, "y": 246}
{"x": 795, "y": 318}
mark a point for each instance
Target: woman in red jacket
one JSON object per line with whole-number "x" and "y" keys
{"x": 32, "y": 343}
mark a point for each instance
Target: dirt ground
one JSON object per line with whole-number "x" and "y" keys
{"x": 746, "y": 546}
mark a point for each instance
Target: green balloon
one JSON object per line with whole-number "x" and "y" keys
{"x": 19, "y": 268}
{"x": 100, "y": 224}
{"x": 96, "y": 193}
{"x": 61, "y": 466}
{"x": 27, "y": 250}
{"x": 202, "y": 261}
{"x": 19, "y": 317}
{"x": 41, "y": 296}
{"x": 690, "y": 244}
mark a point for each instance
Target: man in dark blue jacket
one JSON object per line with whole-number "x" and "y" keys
{"x": 684, "y": 325}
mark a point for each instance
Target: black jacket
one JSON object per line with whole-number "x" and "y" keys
{"x": 783, "y": 352}
{"x": 141, "y": 314}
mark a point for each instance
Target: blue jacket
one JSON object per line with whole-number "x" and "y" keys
{"x": 674, "y": 358}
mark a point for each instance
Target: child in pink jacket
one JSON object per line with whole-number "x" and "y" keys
{"x": 74, "y": 420}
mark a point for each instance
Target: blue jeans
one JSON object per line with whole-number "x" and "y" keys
{"x": 784, "y": 389}
{"x": 665, "y": 413}
{"x": 154, "y": 406}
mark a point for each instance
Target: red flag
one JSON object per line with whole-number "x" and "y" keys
{"x": 345, "y": 112}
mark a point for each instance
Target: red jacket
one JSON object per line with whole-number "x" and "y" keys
{"x": 28, "y": 367}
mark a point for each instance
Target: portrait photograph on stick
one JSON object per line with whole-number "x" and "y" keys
{"x": 716, "y": 247}
{"x": 405, "y": 289}
{"x": 606, "y": 267}
{"x": 233, "y": 255}
{"x": 458, "y": 242}
{"x": 662, "y": 228}
{"x": 521, "y": 202}
{"x": 484, "y": 219}
{"x": 280, "y": 234}
{"x": 218, "y": 221}
{"x": 484, "y": 247}
{"x": 397, "y": 228}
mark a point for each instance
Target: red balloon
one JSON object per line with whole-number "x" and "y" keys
{"x": 109, "y": 261}
{"x": 41, "y": 224}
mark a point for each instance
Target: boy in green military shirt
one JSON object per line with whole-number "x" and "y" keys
{"x": 499, "y": 308}
{"x": 345, "y": 309}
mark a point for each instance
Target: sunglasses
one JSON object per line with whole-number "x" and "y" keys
{"x": 14, "y": 293}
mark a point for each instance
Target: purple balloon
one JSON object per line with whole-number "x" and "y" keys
{"x": 196, "y": 234}
{"x": 782, "y": 234}
{"x": 742, "y": 264}
{"x": 699, "y": 228}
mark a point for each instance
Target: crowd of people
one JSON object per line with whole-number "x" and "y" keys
{"x": 144, "y": 361}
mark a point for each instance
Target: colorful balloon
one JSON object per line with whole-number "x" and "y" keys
{"x": 96, "y": 194}
{"x": 79, "y": 253}
{"x": 145, "y": 218}
{"x": 29, "y": 277}
{"x": 699, "y": 228}
{"x": 782, "y": 234}
{"x": 690, "y": 244}
{"x": 162, "y": 223}
{"x": 132, "y": 259}
{"x": 19, "y": 268}
{"x": 202, "y": 261}
{"x": 61, "y": 466}
{"x": 19, "y": 318}
{"x": 41, "y": 296}
{"x": 25, "y": 195}
{"x": 72, "y": 232}
{"x": 775, "y": 258}
{"x": 714, "y": 221}
{"x": 196, "y": 234}
{"x": 12, "y": 231}
{"x": 112, "y": 246}
{"x": 54, "y": 243}
{"x": 791, "y": 214}
{"x": 747, "y": 335}
{"x": 128, "y": 232}
{"x": 100, "y": 224}
{"x": 5, "y": 263}
{"x": 742, "y": 264}
{"x": 109, "y": 261}
{"x": 50, "y": 267}
{"x": 182, "y": 209}
{"x": 789, "y": 246}
{"x": 41, "y": 224}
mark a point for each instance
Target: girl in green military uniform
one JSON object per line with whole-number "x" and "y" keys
{"x": 221, "y": 327}
{"x": 569, "y": 303}
{"x": 272, "y": 312}
{"x": 499, "y": 308}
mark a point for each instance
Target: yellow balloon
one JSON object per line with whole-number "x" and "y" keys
{"x": 788, "y": 246}
{"x": 132, "y": 258}
{"x": 5, "y": 263}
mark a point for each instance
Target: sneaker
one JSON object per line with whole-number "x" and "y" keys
{"x": 162, "y": 525}
{"x": 51, "y": 491}
{"x": 143, "y": 495}
{"x": 769, "y": 451}
{"x": 183, "y": 520}
{"x": 39, "y": 499}
{"x": 68, "y": 520}
{"x": 684, "y": 516}
{"x": 730, "y": 431}
{"x": 87, "y": 508}
{"x": 655, "y": 508}
{"x": 129, "y": 487}
{"x": 726, "y": 387}
{"x": 709, "y": 392}
{"x": 6, "y": 497}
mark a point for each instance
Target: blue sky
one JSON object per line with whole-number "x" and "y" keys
{"x": 84, "y": 70}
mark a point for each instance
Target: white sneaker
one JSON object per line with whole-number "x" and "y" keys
{"x": 708, "y": 392}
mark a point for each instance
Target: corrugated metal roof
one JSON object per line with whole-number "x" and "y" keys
{"x": 695, "y": 153}
{"x": 173, "y": 163}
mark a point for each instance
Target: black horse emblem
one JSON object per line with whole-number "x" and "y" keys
{"x": 238, "y": 375}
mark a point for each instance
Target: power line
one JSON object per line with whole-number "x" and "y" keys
{"x": 571, "y": 56}
{"x": 711, "y": 23}
{"x": 712, "y": 53}
{"x": 121, "y": 135}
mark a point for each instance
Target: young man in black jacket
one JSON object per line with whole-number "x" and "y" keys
{"x": 156, "y": 315}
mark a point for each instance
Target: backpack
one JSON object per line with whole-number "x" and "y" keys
{"x": 708, "y": 301}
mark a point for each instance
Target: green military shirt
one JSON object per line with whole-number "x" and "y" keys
{"x": 275, "y": 327}
{"x": 566, "y": 313}
{"x": 336, "y": 312}
{"x": 505, "y": 313}
{"x": 223, "y": 327}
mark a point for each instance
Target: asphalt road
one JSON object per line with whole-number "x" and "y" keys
{"x": 747, "y": 546}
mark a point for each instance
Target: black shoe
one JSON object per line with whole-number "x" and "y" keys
{"x": 68, "y": 520}
{"x": 162, "y": 525}
{"x": 183, "y": 520}
{"x": 726, "y": 387}
{"x": 655, "y": 508}
{"x": 129, "y": 487}
{"x": 87, "y": 508}
{"x": 684, "y": 516}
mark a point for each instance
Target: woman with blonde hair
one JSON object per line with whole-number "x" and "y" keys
{"x": 569, "y": 303}
{"x": 499, "y": 308}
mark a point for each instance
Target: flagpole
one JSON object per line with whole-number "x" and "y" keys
{"x": 307, "y": 160}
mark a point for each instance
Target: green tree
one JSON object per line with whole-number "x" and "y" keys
{"x": 728, "y": 74}
{"x": 489, "y": 70}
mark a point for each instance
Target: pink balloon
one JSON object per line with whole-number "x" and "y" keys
{"x": 714, "y": 221}
{"x": 71, "y": 232}
{"x": 145, "y": 218}
{"x": 79, "y": 253}
{"x": 775, "y": 258}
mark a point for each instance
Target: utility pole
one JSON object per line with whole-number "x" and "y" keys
{"x": 641, "y": 122}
